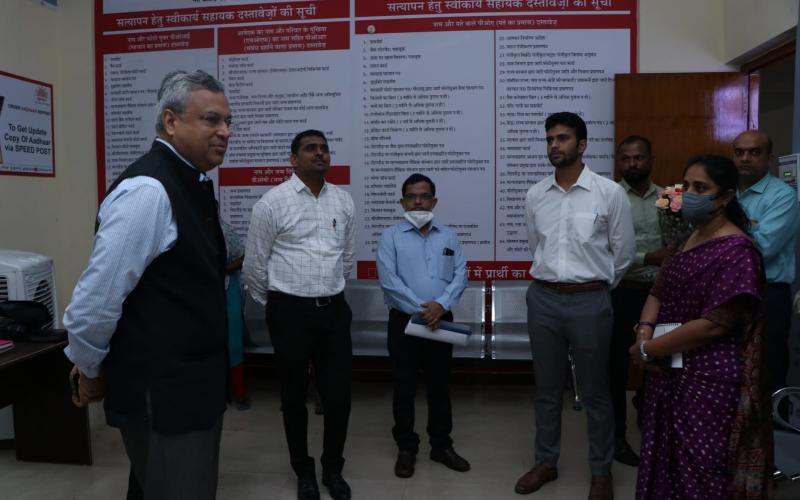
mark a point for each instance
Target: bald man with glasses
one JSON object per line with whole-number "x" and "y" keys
{"x": 771, "y": 206}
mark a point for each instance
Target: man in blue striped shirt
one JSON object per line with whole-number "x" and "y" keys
{"x": 422, "y": 271}
{"x": 774, "y": 216}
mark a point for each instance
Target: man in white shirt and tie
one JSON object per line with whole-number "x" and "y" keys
{"x": 581, "y": 237}
{"x": 300, "y": 248}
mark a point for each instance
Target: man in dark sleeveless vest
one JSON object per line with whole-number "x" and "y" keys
{"x": 147, "y": 321}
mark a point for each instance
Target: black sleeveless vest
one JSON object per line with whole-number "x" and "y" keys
{"x": 171, "y": 340}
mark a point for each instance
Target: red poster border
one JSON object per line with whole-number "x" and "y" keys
{"x": 373, "y": 8}
{"x": 329, "y": 9}
{"x": 99, "y": 101}
{"x": 477, "y": 270}
{"x": 52, "y": 126}
{"x": 634, "y": 27}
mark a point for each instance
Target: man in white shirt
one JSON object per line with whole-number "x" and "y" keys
{"x": 300, "y": 248}
{"x": 581, "y": 237}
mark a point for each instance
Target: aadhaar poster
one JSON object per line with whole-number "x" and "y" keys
{"x": 455, "y": 89}
{"x": 26, "y": 127}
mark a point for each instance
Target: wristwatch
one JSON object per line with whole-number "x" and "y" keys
{"x": 643, "y": 354}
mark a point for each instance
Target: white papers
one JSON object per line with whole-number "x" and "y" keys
{"x": 663, "y": 329}
{"x": 452, "y": 333}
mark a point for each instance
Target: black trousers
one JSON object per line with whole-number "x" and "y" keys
{"x": 627, "y": 304}
{"x": 304, "y": 330}
{"x": 409, "y": 355}
{"x": 778, "y": 310}
{"x": 172, "y": 466}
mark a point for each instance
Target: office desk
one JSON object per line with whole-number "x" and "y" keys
{"x": 47, "y": 426}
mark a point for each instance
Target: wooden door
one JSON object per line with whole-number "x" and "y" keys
{"x": 684, "y": 114}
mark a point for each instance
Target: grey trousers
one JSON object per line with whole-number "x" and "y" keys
{"x": 173, "y": 466}
{"x": 583, "y": 321}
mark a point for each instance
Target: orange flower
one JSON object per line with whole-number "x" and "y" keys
{"x": 662, "y": 203}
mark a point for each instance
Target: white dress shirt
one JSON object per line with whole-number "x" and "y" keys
{"x": 298, "y": 243}
{"x": 584, "y": 234}
{"x": 136, "y": 225}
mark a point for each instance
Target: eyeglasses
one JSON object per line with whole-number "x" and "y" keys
{"x": 415, "y": 197}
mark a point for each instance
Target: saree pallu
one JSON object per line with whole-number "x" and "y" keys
{"x": 706, "y": 430}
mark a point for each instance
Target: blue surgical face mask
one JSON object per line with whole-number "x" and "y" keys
{"x": 698, "y": 209}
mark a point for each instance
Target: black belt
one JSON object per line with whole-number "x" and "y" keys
{"x": 310, "y": 301}
{"x": 588, "y": 286}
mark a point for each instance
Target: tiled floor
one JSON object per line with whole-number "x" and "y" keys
{"x": 493, "y": 429}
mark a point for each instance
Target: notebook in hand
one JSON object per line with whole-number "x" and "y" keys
{"x": 663, "y": 329}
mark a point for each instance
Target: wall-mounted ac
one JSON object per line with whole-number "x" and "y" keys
{"x": 29, "y": 276}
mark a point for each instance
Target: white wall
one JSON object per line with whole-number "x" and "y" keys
{"x": 707, "y": 35}
{"x": 749, "y": 24}
{"x": 681, "y": 36}
{"x": 56, "y": 216}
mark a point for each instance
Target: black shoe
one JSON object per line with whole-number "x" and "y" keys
{"x": 318, "y": 408}
{"x": 623, "y": 453}
{"x": 242, "y": 404}
{"x": 307, "y": 488}
{"x": 404, "y": 467}
{"x": 337, "y": 486}
{"x": 450, "y": 459}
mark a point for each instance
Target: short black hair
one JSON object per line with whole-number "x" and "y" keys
{"x": 306, "y": 133}
{"x": 633, "y": 139}
{"x": 570, "y": 120}
{"x": 415, "y": 178}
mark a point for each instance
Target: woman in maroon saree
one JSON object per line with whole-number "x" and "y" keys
{"x": 706, "y": 430}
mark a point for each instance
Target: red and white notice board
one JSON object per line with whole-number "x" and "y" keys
{"x": 455, "y": 89}
{"x": 26, "y": 127}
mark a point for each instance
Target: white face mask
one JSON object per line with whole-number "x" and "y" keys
{"x": 419, "y": 217}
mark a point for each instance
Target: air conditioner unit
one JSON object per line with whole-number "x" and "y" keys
{"x": 29, "y": 276}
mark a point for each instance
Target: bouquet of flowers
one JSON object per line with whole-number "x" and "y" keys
{"x": 669, "y": 214}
